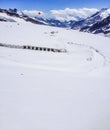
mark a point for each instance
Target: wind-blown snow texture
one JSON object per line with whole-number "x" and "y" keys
{"x": 53, "y": 91}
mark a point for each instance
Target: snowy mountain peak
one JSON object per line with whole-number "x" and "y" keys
{"x": 97, "y": 23}
{"x": 105, "y": 13}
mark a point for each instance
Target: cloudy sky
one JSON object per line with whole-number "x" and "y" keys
{"x": 64, "y": 14}
{"x": 59, "y": 9}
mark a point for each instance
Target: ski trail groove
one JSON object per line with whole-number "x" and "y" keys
{"x": 91, "y": 48}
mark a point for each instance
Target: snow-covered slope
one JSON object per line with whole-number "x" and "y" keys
{"x": 97, "y": 17}
{"x": 97, "y": 23}
{"x": 101, "y": 27}
{"x": 5, "y": 15}
{"x": 8, "y": 18}
{"x": 42, "y": 90}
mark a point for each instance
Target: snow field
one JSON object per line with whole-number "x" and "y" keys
{"x": 53, "y": 91}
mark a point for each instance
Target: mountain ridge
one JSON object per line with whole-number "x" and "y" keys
{"x": 98, "y": 23}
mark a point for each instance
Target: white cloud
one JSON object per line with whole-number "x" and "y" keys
{"x": 62, "y": 15}
{"x": 72, "y": 14}
{"x": 33, "y": 13}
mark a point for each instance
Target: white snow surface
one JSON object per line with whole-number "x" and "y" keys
{"x": 53, "y": 91}
{"x": 4, "y": 15}
{"x": 105, "y": 13}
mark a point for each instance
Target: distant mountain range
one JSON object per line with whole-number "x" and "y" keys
{"x": 98, "y": 23}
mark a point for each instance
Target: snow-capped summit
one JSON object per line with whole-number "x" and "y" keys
{"x": 98, "y": 16}
{"x": 104, "y": 13}
{"x": 97, "y": 23}
{"x": 102, "y": 27}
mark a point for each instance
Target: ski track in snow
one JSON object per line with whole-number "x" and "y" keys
{"x": 91, "y": 48}
{"x": 43, "y": 67}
